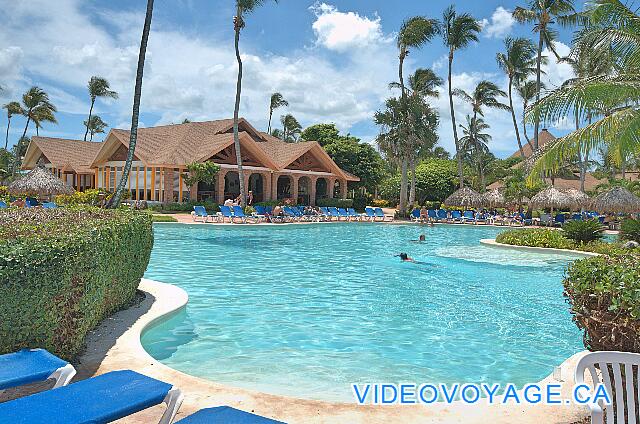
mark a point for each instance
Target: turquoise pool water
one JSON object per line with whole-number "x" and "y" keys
{"x": 306, "y": 310}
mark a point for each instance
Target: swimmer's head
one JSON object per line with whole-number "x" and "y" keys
{"x": 422, "y": 237}
{"x": 404, "y": 256}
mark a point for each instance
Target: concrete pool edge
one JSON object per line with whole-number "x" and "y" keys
{"x": 565, "y": 252}
{"x": 164, "y": 300}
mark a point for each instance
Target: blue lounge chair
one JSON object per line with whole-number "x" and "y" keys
{"x": 31, "y": 365}
{"x": 482, "y": 218}
{"x": 342, "y": 213}
{"x": 468, "y": 216}
{"x": 559, "y": 219}
{"x": 370, "y": 214}
{"x": 380, "y": 214}
{"x": 353, "y": 214}
{"x": 415, "y": 215}
{"x": 441, "y": 215}
{"x": 102, "y": 399}
{"x": 576, "y": 217}
{"x": 225, "y": 414}
{"x": 226, "y": 213}
{"x": 431, "y": 214}
{"x": 456, "y": 216}
{"x": 201, "y": 212}
{"x": 49, "y": 205}
{"x": 3, "y": 205}
{"x": 290, "y": 214}
{"x": 333, "y": 212}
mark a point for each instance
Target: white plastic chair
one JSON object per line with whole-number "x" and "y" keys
{"x": 618, "y": 361}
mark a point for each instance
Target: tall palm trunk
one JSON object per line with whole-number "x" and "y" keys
{"x": 524, "y": 126}
{"x": 453, "y": 123}
{"x": 133, "y": 136}
{"x": 270, "y": 115}
{"x": 513, "y": 117}
{"x": 403, "y": 133}
{"x": 236, "y": 138}
{"x": 412, "y": 191}
{"x": 6, "y": 140}
{"x": 93, "y": 100}
{"x": 536, "y": 126}
{"x": 24, "y": 133}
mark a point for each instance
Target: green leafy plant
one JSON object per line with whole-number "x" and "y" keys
{"x": 163, "y": 218}
{"x": 201, "y": 172}
{"x": 333, "y": 202}
{"x": 536, "y": 237}
{"x": 583, "y": 231}
{"x": 174, "y": 207}
{"x": 62, "y": 271}
{"x": 630, "y": 230}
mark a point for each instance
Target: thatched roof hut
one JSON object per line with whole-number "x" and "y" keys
{"x": 580, "y": 198}
{"x": 39, "y": 182}
{"x": 464, "y": 197}
{"x": 552, "y": 198}
{"x": 493, "y": 198}
{"x": 618, "y": 199}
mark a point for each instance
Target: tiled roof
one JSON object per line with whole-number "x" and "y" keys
{"x": 590, "y": 182}
{"x": 74, "y": 154}
{"x": 281, "y": 152}
{"x": 544, "y": 137}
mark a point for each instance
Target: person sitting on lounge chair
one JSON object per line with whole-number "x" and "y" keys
{"x": 228, "y": 202}
{"x": 250, "y": 198}
{"x": 277, "y": 211}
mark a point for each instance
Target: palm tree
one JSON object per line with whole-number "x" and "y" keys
{"x": 98, "y": 87}
{"x": 36, "y": 100}
{"x": 42, "y": 114}
{"x": 277, "y": 101}
{"x": 242, "y": 7}
{"x": 133, "y": 134}
{"x": 414, "y": 33}
{"x": 518, "y": 63}
{"x": 612, "y": 31}
{"x": 542, "y": 14}
{"x": 291, "y": 128}
{"x": 527, "y": 92}
{"x": 13, "y": 108}
{"x": 458, "y": 31}
{"x": 96, "y": 126}
{"x": 486, "y": 94}
{"x": 475, "y": 142}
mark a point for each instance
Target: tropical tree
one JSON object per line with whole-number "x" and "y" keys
{"x": 98, "y": 87}
{"x": 277, "y": 101}
{"x": 475, "y": 143}
{"x": 485, "y": 94}
{"x": 458, "y": 31}
{"x": 414, "y": 33}
{"x": 291, "y": 128}
{"x": 133, "y": 134}
{"x": 96, "y": 126}
{"x": 543, "y": 14}
{"x": 243, "y": 7}
{"x": 13, "y": 108}
{"x": 277, "y": 132}
{"x": 42, "y": 114}
{"x": 36, "y": 106}
{"x": 517, "y": 62}
{"x": 612, "y": 29}
{"x": 527, "y": 92}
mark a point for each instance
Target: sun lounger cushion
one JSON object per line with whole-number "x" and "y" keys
{"x": 100, "y": 399}
{"x": 226, "y": 415}
{"x": 27, "y": 366}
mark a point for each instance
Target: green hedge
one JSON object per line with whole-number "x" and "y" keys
{"x": 332, "y": 202}
{"x": 604, "y": 294}
{"x": 62, "y": 271}
{"x": 173, "y": 207}
{"x": 536, "y": 237}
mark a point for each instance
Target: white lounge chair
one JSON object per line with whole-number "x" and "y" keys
{"x": 619, "y": 363}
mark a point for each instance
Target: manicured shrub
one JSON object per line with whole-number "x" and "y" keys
{"x": 360, "y": 202}
{"x": 583, "y": 231}
{"x": 536, "y": 237}
{"x": 163, "y": 218}
{"x": 630, "y": 230}
{"x": 333, "y": 202}
{"x": 174, "y": 207}
{"x": 604, "y": 294}
{"x": 64, "y": 270}
{"x": 269, "y": 203}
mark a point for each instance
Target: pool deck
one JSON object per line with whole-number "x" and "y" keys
{"x": 116, "y": 344}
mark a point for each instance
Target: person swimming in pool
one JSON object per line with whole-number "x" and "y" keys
{"x": 405, "y": 258}
{"x": 421, "y": 239}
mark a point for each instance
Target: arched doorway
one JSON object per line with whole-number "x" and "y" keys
{"x": 321, "y": 189}
{"x": 231, "y": 185}
{"x": 256, "y": 187}
{"x": 206, "y": 191}
{"x": 304, "y": 191}
{"x": 284, "y": 187}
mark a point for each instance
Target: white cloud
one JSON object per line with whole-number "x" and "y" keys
{"x": 500, "y": 24}
{"x": 342, "y": 31}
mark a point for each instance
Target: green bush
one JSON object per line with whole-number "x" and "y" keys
{"x": 583, "y": 231}
{"x": 338, "y": 203}
{"x": 604, "y": 294}
{"x": 360, "y": 202}
{"x": 209, "y": 205}
{"x": 163, "y": 218}
{"x": 536, "y": 237}
{"x": 630, "y": 230}
{"x": 269, "y": 203}
{"x": 62, "y": 271}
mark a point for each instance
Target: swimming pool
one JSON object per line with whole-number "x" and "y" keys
{"x": 307, "y": 310}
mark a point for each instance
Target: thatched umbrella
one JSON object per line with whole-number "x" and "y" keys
{"x": 464, "y": 197}
{"x": 39, "y": 182}
{"x": 493, "y": 198}
{"x": 618, "y": 199}
{"x": 552, "y": 198}
{"x": 580, "y": 198}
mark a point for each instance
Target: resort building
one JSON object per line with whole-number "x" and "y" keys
{"x": 273, "y": 169}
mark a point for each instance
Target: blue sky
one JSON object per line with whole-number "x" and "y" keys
{"x": 332, "y": 60}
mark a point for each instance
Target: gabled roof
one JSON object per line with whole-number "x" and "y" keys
{"x": 544, "y": 137}
{"x": 73, "y": 155}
